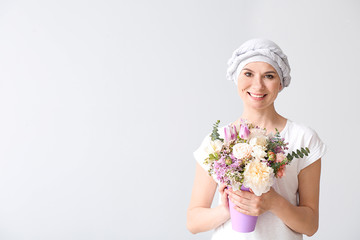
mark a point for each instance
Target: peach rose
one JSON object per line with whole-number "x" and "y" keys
{"x": 258, "y": 176}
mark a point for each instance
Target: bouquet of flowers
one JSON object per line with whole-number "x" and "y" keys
{"x": 249, "y": 157}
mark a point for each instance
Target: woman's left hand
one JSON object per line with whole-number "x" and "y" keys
{"x": 250, "y": 204}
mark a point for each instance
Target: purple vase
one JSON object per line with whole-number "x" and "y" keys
{"x": 241, "y": 222}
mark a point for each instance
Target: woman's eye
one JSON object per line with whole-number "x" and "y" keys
{"x": 248, "y": 74}
{"x": 269, "y": 76}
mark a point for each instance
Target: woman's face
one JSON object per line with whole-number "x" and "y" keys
{"x": 258, "y": 85}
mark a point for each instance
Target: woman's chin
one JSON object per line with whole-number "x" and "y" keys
{"x": 258, "y": 105}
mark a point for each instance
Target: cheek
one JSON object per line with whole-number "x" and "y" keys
{"x": 242, "y": 85}
{"x": 241, "y": 90}
{"x": 274, "y": 86}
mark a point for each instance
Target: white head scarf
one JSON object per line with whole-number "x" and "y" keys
{"x": 259, "y": 50}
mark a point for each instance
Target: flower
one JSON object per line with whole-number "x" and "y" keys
{"x": 242, "y": 151}
{"x": 259, "y": 140}
{"x": 228, "y": 161}
{"x": 255, "y": 132}
{"x": 280, "y": 157}
{"x": 258, "y": 176}
{"x": 213, "y": 147}
{"x": 244, "y": 131}
{"x": 210, "y": 147}
{"x": 253, "y": 162}
{"x": 230, "y": 133}
{"x": 281, "y": 171}
{"x": 258, "y": 152}
{"x": 271, "y": 156}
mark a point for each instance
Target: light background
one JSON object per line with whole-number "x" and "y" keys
{"x": 103, "y": 102}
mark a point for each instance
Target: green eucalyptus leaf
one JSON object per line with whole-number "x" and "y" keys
{"x": 299, "y": 153}
{"x": 304, "y": 151}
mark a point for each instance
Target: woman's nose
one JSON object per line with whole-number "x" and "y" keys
{"x": 258, "y": 82}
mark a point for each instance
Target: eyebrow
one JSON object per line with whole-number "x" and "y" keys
{"x": 253, "y": 71}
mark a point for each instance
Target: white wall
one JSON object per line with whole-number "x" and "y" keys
{"x": 103, "y": 102}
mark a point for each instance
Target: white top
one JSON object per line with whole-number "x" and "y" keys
{"x": 268, "y": 225}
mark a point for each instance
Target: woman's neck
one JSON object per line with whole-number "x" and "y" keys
{"x": 266, "y": 118}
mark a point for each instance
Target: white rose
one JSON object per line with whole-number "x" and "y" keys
{"x": 242, "y": 151}
{"x": 256, "y": 132}
{"x": 259, "y": 140}
{"x": 258, "y": 152}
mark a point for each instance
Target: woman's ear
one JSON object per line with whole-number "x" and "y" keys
{"x": 280, "y": 87}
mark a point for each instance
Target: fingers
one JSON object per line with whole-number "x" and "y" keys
{"x": 246, "y": 206}
{"x": 224, "y": 200}
{"x": 244, "y": 211}
{"x": 245, "y": 202}
{"x": 222, "y": 188}
{"x": 240, "y": 200}
{"x": 243, "y": 194}
{"x": 224, "y": 195}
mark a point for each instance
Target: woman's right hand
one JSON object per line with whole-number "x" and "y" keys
{"x": 201, "y": 216}
{"x": 224, "y": 196}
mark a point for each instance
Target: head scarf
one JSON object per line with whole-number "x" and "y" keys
{"x": 259, "y": 50}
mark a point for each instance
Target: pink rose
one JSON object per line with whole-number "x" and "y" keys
{"x": 280, "y": 157}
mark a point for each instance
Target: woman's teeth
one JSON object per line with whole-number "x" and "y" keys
{"x": 257, "y": 96}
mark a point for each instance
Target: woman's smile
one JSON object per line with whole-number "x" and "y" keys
{"x": 257, "y": 96}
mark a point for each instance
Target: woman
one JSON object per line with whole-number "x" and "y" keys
{"x": 290, "y": 209}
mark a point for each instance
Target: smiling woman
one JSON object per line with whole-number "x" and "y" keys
{"x": 258, "y": 85}
{"x": 289, "y": 209}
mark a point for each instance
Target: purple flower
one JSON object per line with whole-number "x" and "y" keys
{"x": 279, "y": 149}
{"x": 233, "y": 132}
{"x": 244, "y": 131}
{"x": 227, "y": 134}
{"x": 230, "y": 133}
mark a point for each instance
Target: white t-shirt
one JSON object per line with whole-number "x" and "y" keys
{"x": 268, "y": 225}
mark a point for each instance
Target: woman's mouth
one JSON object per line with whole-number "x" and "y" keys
{"x": 257, "y": 96}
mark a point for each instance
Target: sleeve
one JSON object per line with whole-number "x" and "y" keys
{"x": 317, "y": 149}
{"x": 201, "y": 154}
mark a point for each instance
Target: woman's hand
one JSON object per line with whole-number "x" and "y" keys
{"x": 200, "y": 216}
{"x": 224, "y": 196}
{"x": 250, "y": 204}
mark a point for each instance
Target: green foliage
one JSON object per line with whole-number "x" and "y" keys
{"x": 275, "y": 141}
{"x": 294, "y": 154}
{"x": 214, "y": 156}
{"x": 298, "y": 154}
{"x": 277, "y": 133}
{"x": 276, "y": 165}
{"x": 215, "y": 134}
